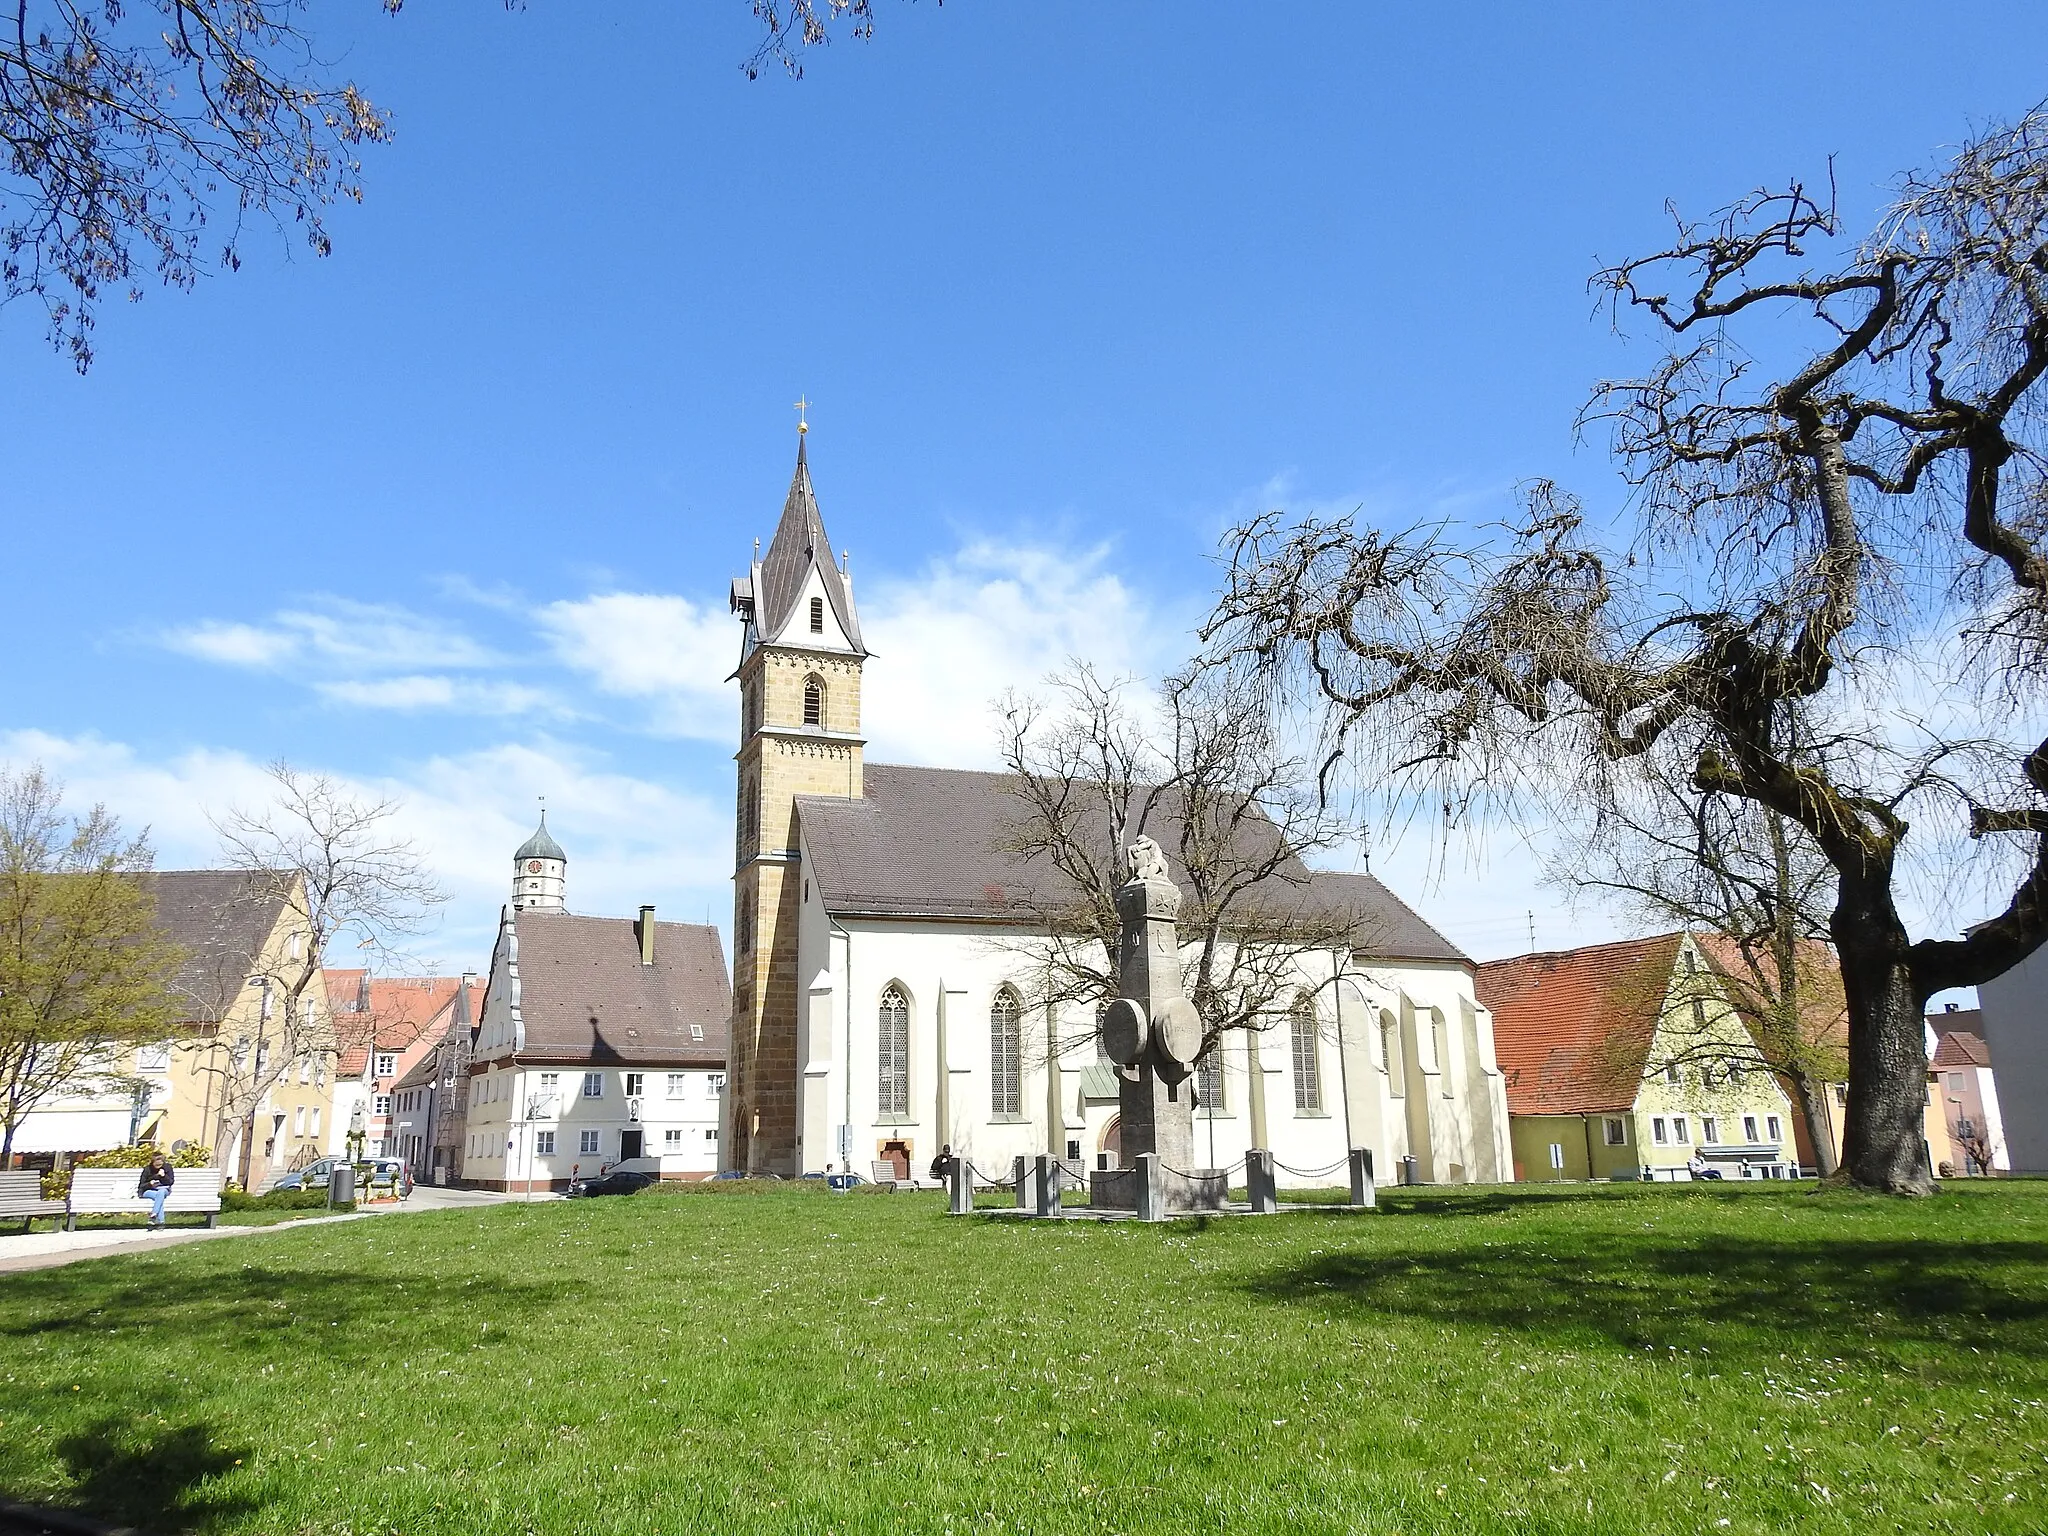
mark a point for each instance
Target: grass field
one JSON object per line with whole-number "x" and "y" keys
{"x": 1665, "y": 1360}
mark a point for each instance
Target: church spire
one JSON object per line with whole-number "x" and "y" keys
{"x": 799, "y": 564}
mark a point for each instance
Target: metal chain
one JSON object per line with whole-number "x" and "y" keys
{"x": 1312, "y": 1173}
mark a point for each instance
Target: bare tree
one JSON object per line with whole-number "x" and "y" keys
{"x": 1207, "y": 774}
{"x": 333, "y": 861}
{"x": 83, "y": 970}
{"x": 1804, "y": 533}
{"x": 1756, "y": 891}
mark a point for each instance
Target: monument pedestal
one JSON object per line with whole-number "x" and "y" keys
{"x": 1155, "y": 1192}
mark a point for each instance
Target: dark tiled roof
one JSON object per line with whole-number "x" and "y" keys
{"x": 799, "y": 544}
{"x": 541, "y": 845}
{"x": 1572, "y": 1030}
{"x": 938, "y": 842}
{"x": 220, "y": 918}
{"x": 1960, "y": 1047}
{"x": 585, "y": 996}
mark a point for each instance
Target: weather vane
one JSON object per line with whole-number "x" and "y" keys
{"x": 802, "y": 406}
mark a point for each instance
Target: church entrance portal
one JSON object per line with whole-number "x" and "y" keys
{"x": 1111, "y": 1145}
{"x": 629, "y": 1144}
{"x": 898, "y": 1154}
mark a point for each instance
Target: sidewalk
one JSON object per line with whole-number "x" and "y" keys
{"x": 46, "y": 1250}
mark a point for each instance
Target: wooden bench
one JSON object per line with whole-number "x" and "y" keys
{"x": 21, "y": 1194}
{"x": 111, "y": 1192}
{"x": 884, "y": 1173}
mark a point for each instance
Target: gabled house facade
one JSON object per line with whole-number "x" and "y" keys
{"x": 1972, "y": 1120}
{"x": 385, "y": 1026}
{"x": 1627, "y": 1061}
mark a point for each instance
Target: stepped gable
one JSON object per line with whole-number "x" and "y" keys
{"x": 1572, "y": 1029}
{"x": 941, "y": 842}
{"x": 584, "y": 996}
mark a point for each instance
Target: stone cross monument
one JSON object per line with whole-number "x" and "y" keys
{"x": 1151, "y": 1031}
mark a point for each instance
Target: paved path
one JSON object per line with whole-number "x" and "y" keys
{"x": 47, "y": 1250}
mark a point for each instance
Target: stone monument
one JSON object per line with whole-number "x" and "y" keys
{"x": 1153, "y": 1034}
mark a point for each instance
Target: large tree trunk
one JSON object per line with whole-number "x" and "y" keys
{"x": 1813, "y": 1110}
{"x": 1884, "y": 1146}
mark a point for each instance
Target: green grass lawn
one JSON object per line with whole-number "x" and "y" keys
{"x": 1667, "y": 1360}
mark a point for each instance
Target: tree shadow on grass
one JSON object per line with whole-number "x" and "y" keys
{"x": 1741, "y": 1299}
{"x": 137, "y": 1474}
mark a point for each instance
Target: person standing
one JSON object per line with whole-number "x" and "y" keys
{"x": 155, "y": 1187}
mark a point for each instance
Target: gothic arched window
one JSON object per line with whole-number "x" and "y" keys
{"x": 1209, "y": 1077}
{"x": 750, "y": 810}
{"x": 1308, "y": 1067}
{"x": 817, "y": 615}
{"x": 814, "y": 700}
{"x": 1006, "y": 1053}
{"x": 892, "y": 1053}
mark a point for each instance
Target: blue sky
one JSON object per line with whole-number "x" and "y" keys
{"x": 452, "y": 511}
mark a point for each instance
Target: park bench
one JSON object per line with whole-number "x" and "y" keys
{"x": 111, "y": 1192}
{"x": 21, "y": 1194}
{"x": 884, "y": 1173}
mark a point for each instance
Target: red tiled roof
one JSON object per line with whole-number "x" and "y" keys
{"x": 1572, "y": 1030}
{"x": 1824, "y": 1012}
{"x": 1960, "y": 1048}
{"x": 401, "y": 1010}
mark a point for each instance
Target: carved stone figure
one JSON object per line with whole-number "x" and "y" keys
{"x": 1147, "y": 860}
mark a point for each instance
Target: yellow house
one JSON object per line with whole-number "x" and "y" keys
{"x": 247, "y": 1073}
{"x": 1629, "y": 1060}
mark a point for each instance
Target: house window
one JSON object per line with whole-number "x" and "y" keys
{"x": 678, "y": 1084}
{"x": 306, "y": 1068}
{"x": 696, "y": 1031}
{"x": 1308, "y": 1079}
{"x": 1209, "y": 1079}
{"x": 593, "y": 1085}
{"x": 382, "y": 1105}
{"x": 814, "y": 700}
{"x": 1680, "y": 1132}
{"x": 550, "y": 1084}
{"x": 1557, "y": 1157}
{"x": 1673, "y": 1075}
{"x": 1710, "y": 1130}
{"x": 817, "y": 615}
{"x": 153, "y": 1058}
{"x": 892, "y": 1051}
{"x": 386, "y": 1064}
{"x": 711, "y": 1135}
{"x": 1773, "y": 1129}
{"x": 320, "y": 1073}
{"x": 1692, "y": 964}
{"x": 715, "y": 1084}
{"x": 1699, "y": 1013}
{"x": 543, "y": 1143}
{"x": 1005, "y": 1054}
{"x": 1749, "y": 1127}
{"x": 314, "y": 1129}
{"x": 1616, "y": 1131}
{"x": 672, "y": 1140}
{"x": 1734, "y": 1074}
{"x": 587, "y": 1141}
{"x": 299, "y": 1121}
{"x": 636, "y": 1084}
{"x": 1658, "y": 1132}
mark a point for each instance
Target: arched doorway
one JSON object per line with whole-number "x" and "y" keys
{"x": 1111, "y": 1144}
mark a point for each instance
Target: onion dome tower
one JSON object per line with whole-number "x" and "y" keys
{"x": 539, "y": 872}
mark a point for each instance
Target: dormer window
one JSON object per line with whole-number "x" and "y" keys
{"x": 814, "y": 698}
{"x": 817, "y": 615}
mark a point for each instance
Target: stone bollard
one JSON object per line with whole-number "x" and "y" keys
{"x": 1362, "y": 1192}
{"x": 1151, "y": 1188}
{"x": 1045, "y": 1180}
{"x": 1259, "y": 1184}
{"x": 1020, "y": 1177}
{"x": 959, "y": 1188}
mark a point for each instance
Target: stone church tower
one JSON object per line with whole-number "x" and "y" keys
{"x": 799, "y": 675}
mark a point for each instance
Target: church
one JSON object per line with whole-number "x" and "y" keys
{"x": 879, "y": 960}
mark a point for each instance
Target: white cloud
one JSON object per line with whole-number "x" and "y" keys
{"x": 234, "y": 645}
{"x": 418, "y": 692}
{"x": 653, "y": 646}
{"x": 338, "y": 633}
{"x": 994, "y": 616}
{"x": 629, "y": 840}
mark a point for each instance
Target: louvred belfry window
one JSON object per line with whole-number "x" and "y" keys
{"x": 817, "y": 615}
{"x": 814, "y": 700}
{"x": 892, "y": 1099}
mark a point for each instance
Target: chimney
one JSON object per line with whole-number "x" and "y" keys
{"x": 647, "y": 935}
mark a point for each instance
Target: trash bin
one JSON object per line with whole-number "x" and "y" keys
{"x": 1410, "y": 1170}
{"x": 341, "y": 1184}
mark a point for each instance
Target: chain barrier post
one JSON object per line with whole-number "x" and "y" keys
{"x": 1363, "y": 1195}
{"x": 1045, "y": 1178}
{"x": 1260, "y": 1187}
{"x": 1020, "y": 1180}
{"x": 960, "y": 1188}
{"x": 1151, "y": 1188}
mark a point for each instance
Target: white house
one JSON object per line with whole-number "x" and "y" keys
{"x": 882, "y": 967}
{"x": 601, "y": 1040}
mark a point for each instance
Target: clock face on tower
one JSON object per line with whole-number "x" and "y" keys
{"x": 533, "y": 866}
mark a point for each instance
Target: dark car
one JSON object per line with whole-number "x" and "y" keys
{"x": 839, "y": 1180}
{"x": 620, "y": 1181}
{"x": 741, "y": 1173}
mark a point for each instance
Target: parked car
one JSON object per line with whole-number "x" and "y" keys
{"x": 369, "y": 1170}
{"x": 741, "y": 1173}
{"x": 620, "y": 1181}
{"x": 839, "y": 1180}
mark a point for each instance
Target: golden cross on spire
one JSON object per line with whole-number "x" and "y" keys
{"x": 802, "y": 406}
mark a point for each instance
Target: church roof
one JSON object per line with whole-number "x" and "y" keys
{"x": 1573, "y": 1029}
{"x": 541, "y": 845}
{"x": 939, "y": 842}
{"x": 800, "y": 545}
{"x": 584, "y": 996}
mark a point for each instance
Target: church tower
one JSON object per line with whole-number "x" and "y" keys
{"x": 540, "y": 873}
{"x": 799, "y": 676}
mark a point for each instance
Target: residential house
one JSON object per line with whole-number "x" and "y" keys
{"x": 601, "y": 1040}
{"x": 385, "y": 1024}
{"x": 1973, "y": 1125}
{"x": 1626, "y": 1060}
{"x": 430, "y": 1102}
